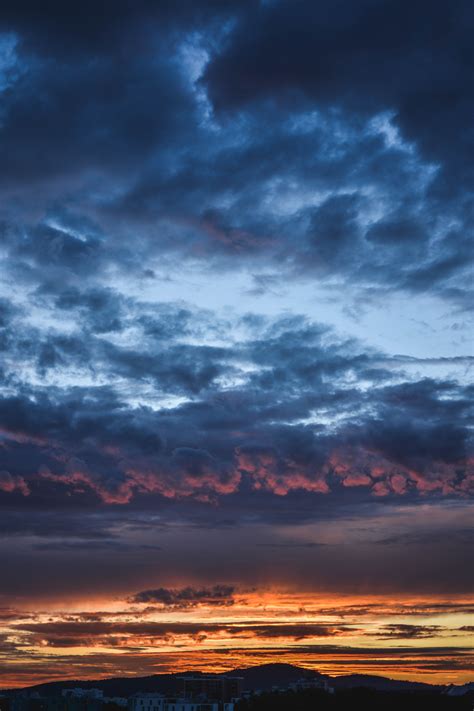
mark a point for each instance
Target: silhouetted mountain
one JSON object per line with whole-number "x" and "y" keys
{"x": 121, "y": 686}
{"x": 262, "y": 677}
{"x": 265, "y": 676}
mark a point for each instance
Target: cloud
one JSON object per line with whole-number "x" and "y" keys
{"x": 187, "y": 597}
{"x": 268, "y": 433}
{"x": 405, "y": 631}
{"x": 158, "y": 135}
{"x": 346, "y": 58}
{"x": 130, "y": 634}
{"x": 234, "y": 254}
{"x": 9, "y": 483}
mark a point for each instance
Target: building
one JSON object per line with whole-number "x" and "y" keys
{"x": 187, "y": 705}
{"x": 75, "y": 700}
{"x": 27, "y": 701}
{"x": 303, "y": 684}
{"x": 79, "y": 693}
{"x": 146, "y": 702}
{"x": 223, "y": 689}
{"x": 116, "y": 701}
{"x": 160, "y": 702}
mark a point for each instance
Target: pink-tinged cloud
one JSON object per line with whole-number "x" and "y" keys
{"x": 268, "y": 473}
{"x": 13, "y": 483}
{"x": 194, "y": 473}
{"x": 173, "y": 480}
{"x": 352, "y": 467}
{"x": 346, "y": 469}
{"x": 11, "y": 435}
{"x": 177, "y": 482}
{"x": 358, "y": 466}
{"x": 121, "y": 492}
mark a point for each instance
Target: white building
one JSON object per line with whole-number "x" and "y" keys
{"x": 79, "y": 693}
{"x": 189, "y": 705}
{"x": 146, "y": 702}
{"x": 159, "y": 702}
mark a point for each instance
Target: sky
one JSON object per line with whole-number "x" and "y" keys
{"x": 236, "y": 337}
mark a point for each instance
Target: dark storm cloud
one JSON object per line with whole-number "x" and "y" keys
{"x": 404, "y": 631}
{"x": 399, "y": 439}
{"x": 94, "y": 27}
{"x": 187, "y": 597}
{"x": 101, "y": 85}
{"x": 86, "y": 115}
{"x": 68, "y": 634}
{"x": 338, "y": 235}
{"x": 297, "y": 143}
{"x": 309, "y": 544}
{"x": 413, "y": 60}
{"x": 101, "y": 309}
{"x": 367, "y": 59}
{"x": 41, "y": 524}
{"x": 463, "y": 536}
{"x": 123, "y": 163}
{"x": 84, "y": 546}
{"x": 78, "y": 571}
{"x": 399, "y": 655}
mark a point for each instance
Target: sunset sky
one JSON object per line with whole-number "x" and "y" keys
{"x": 235, "y": 337}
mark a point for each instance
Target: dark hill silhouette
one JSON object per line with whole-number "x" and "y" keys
{"x": 265, "y": 676}
{"x": 262, "y": 677}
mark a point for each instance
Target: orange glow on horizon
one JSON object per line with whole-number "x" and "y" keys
{"x": 407, "y": 637}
